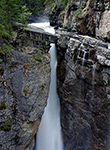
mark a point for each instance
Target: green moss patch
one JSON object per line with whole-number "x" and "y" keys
{"x": 2, "y": 105}
{"x": 1, "y": 71}
{"x": 39, "y": 55}
{"x": 78, "y": 12}
{"x": 42, "y": 90}
{"x": 2, "y": 51}
{"x": 43, "y": 86}
{"x": 6, "y": 127}
{"x": 25, "y": 92}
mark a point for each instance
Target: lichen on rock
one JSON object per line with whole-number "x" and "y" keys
{"x": 21, "y": 80}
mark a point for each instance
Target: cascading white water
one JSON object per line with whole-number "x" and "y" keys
{"x": 109, "y": 46}
{"x": 83, "y": 58}
{"x": 43, "y": 25}
{"x": 49, "y": 135}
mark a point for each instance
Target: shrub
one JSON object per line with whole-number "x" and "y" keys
{"x": 39, "y": 55}
{"x": 78, "y": 12}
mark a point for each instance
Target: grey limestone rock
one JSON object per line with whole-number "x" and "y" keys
{"x": 24, "y": 87}
{"x": 84, "y": 93}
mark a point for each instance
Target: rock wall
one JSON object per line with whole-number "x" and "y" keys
{"x": 24, "y": 87}
{"x": 90, "y": 17}
{"x": 84, "y": 90}
{"x": 34, "y": 37}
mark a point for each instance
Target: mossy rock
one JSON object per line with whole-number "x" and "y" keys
{"x": 6, "y": 127}
{"x": 43, "y": 86}
{"x": 26, "y": 66}
{"x": 2, "y": 105}
{"x": 26, "y": 92}
{"x": 1, "y": 71}
{"x": 39, "y": 55}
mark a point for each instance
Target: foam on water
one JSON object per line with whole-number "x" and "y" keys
{"x": 44, "y": 25}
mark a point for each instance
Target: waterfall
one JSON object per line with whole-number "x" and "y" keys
{"x": 83, "y": 61}
{"x": 108, "y": 45}
{"x": 93, "y": 75}
{"x": 83, "y": 58}
{"x": 49, "y": 135}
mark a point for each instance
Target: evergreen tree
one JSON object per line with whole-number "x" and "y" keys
{"x": 10, "y": 11}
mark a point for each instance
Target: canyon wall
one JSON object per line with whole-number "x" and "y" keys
{"x": 83, "y": 80}
{"x": 89, "y": 17}
{"x": 84, "y": 73}
{"x": 84, "y": 90}
{"x": 24, "y": 87}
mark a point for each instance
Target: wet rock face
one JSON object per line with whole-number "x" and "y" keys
{"x": 85, "y": 94}
{"x": 24, "y": 85}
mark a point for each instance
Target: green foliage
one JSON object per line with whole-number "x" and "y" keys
{"x": 46, "y": 43}
{"x": 5, "y": 46}
{"x": 64, "y": 2}
{"x": 2, "y": 105}
{"x": 23, "y": 14}
{"x": 2, "y": 51}
{"x": 6, "y": 127}
{"x": 23, "y": 35}
{"x": 49, "y": 2}
{"x": 10, "y": 11}
{"x": 39, "y": 55}
{"x": 42, "y": 89}
{"x": 78, "y": 12}
{"x": 16, "y": 137}
{"x": 33, "y": 5}
{"x": 43, "y": 86}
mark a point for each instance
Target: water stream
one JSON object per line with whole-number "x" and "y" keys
{"x": 49, "y": 133}
{"x": 93, "y": 76}
{"x": 83, "y": 59}
{"x": 109, "y": 46}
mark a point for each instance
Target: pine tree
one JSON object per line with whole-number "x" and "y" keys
{"x": 10, "y": 11}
